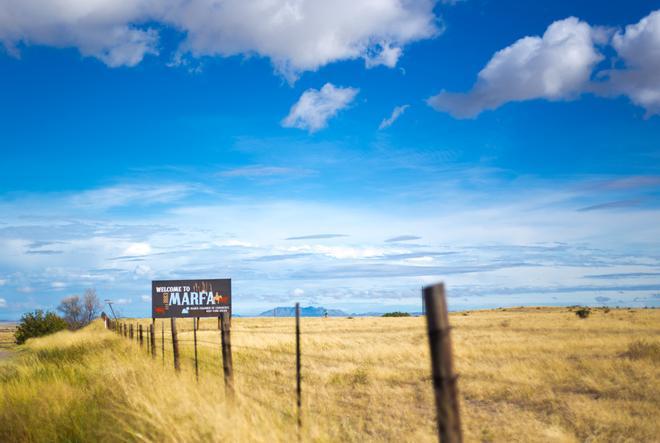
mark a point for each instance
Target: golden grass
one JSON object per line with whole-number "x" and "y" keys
{"x": 525, "y": 375}
{"x": 7, "y": 341}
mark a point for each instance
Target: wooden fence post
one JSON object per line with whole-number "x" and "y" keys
{"x": 162, "y": 340}
{"x": 152, "y": 334}
{"x": 227, "y": 365}
{"x": 131, "y": 332}
{"x": 298, "y": 380}
{"x": 444, "y": 379}
{"x": 195, "y": 326}
{"x": 141, "y": 337}
{"x": 175, "y": 345}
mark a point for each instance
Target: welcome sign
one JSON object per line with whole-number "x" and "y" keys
{"x": 190, "y": 298}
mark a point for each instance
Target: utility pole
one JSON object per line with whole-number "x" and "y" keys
{"x": 109, "y": 302}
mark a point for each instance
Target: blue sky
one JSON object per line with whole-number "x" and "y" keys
{"x": 341, "y": 154}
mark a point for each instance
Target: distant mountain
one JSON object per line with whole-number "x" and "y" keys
{"x": 308, "y": 311}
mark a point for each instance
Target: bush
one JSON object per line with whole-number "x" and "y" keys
{"x": 37, "y": 324}
{"x": 583, "y": 312}
{"x": 641, "y": 349}
{"x": 396, "y": 314}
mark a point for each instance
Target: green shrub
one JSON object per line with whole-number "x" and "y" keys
{"x": 583, "y": 312}
{"x": 396, "y": 314}
{"x": 38, "y": 323}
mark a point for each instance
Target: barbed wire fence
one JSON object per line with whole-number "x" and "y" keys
{"x": 175, "y": 345}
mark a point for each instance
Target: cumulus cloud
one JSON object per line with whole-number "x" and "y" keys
{"x": 103, "y": 29}
{"x": 560, "y": 66}
{"x": 638, "y": 46}
{"x": 556, "y": 66}
{"x": 396, "y": 113}
{"x": 295, "y": 35}
{"x": 315, "y": 107}
{"x": 3, "y": 303}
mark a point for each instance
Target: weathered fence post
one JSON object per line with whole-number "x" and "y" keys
{"x": 162, "y": 340}
{"x": 152, "y": 334}
{"x": 444, "y": 379}
{"x": 140, "y": 332}
{"x": 131, "y": 332}
{"x": 298, "y": 384}
{"x": 226, "y": 355}
{"x": 195, "y": 326}
{"x": 175, "y": 345}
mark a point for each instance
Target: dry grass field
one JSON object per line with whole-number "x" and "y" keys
{"x": 7, "y": 342}
{"x": 526, "y": 374}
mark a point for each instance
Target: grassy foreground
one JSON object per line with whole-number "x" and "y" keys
{"x": 525, "y": 375}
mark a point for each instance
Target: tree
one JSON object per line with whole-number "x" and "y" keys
{"x": 91, "y": 305}
{"x": 71, "y": 310}
{"x": 78, "y": 313}
{"x": 396, "y": 314}
{"x": 37, "y": 324}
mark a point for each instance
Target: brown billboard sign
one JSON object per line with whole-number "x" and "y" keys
{"x": 190, "y": 298}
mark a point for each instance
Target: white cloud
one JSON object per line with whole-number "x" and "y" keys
{"x": 3, "y": 282}
{"x": 142, "y": 270}
{"x": 233, "y": 243}
{"x": 556, "y": 66}
{"x": 58, "y": 285}
{"x": 639, "y": 48}
{"x": 3, "y": 303}
{"x": 137, "y": 249}
{"x": 123, "y": 301}
{"x": 298, "y": 292}
{"x": 145, "y": 298}
{"x": 103, "y": 29}
{"x": 296, "y": 35}
{"x": 384, "y": 54}
{"x": 535, "y": 235}
{"x": 258, "y": 171}
{"x": 128, "y": 194}
{"x": 315, "y": 107}
{"x": 396, "y": 113}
